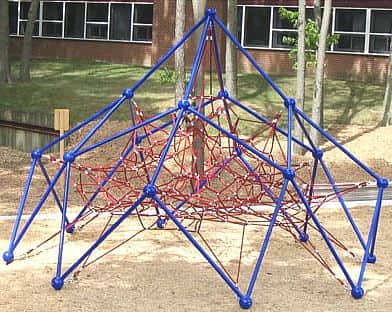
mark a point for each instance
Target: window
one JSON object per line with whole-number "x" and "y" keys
{"x": 282, "y": 28}
{"x": 74, "y": 20}
{"x": 23, "y": 17}
{"x": 13, "y": 17}
{"x": 351, "y": 26}
{"x": 52, "y": 19}
{"x": 142, "y": 22}
{"x": 380, "y": 31}
{"x": 97, "y": 21}
{"x": 256, "y": 26}
{"x": 120, "y": 21}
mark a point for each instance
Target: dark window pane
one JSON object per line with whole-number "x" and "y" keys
{"x": 13, "y": 17}
{"x": 277, "y": 38}
{"x": 97, "y": 12}
{"x": 50, "y": 29}
{"x": 22, "y": 27}
{"x": 142, "y": 33}
{"x": 280, "y": 22}
{"x": 120, "y": 21}
{"x": 350, "y": 20}
{"x": 309, "y": 14}
{"x": 24, "y": 10}
{"x": 257, "y": 26}
{"x": 239, "y": 22}
{"x": 143, "y": 14}
{"x": 381, "y": 22}
{"x": 52, "y": 11}
{"x": 351, "y": 43}
{"x": 379, "y": 44}
{"x": 74, "y": 20}
{"x": 96, "y": 31}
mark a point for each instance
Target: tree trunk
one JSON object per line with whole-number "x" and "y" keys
{"x": 319, "y": 77}
{"x": 179, "y": 56}
{"x": 300, "y": 72}
{"x": 387, "y": 117}
{"x": 231, "y": 51}
{"x": 317, "y": 13}
{"x": 24, "y": 74}
{"x": 5, "y": 73}
{"x": 199, "y": 7}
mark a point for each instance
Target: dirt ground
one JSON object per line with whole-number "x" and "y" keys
{"x": 160, "y": 271}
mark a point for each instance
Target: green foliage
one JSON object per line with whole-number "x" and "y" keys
{"x": 311, "y": 38}
{"x": 167, "y": 76}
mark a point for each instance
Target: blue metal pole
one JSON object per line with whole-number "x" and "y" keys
{"x": 222, "y": 274}
{"x": 371, "y": 236}
{"x": 266, "y": 239}
{"x": 271, "y": 195}
{"x": 337, "y": 144}
{"x": 39, "y": 205}
{"x": 290, "y": 106}
{"x": 237, "y": 140}
{"x": 168, "y": 54}
{"x": 127, "y": 131}
{"x": 8, "y": 256}
{"x": 57, "y": 282}
{"x": 250, "y": 58}
{"x": 217, "y": 57}
{"x": 197, "y": 59}
{"x": 99, "y": 124}
{"x": 342, "y": 203}
{"x": 305, "y": 131}
{"x": 311, "y": 190}
{"x": 103, "y": 237}
{"x": 323, "y": 233}
{"x": 79, "y": 126}
{"x": 56, "y": 198}
{"x": 267, "y": 122}
{"x": 167, "y": 146}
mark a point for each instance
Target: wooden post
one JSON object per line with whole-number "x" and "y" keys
{"x": 61, "y": 123}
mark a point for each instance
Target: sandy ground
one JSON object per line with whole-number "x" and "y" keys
{"x": 160, "y": 271}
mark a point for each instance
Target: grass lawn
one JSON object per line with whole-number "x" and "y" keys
{"x": 86, "y": 86}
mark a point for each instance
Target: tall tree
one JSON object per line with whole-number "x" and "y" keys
{"x": 231, "y": 51}
{"x": 199, "y": 7}
{"x": 300, "y": 70}
{"x": 319, "y": 76}
{"x": 387, "y": 117}
{"x": 179, "y": 57}
{"x": 24, "y": 73}
{"x": 317, "y": 13}
{"x": 5, "y": 73}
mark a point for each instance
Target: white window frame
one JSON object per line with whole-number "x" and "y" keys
{"x": 367, "y": 32}
{"x": 40, "y": 21}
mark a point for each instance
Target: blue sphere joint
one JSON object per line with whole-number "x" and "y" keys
{"x": 36, "y": 154}
{"x": 71, "y": 229}
{"x": 69, "y": 157}
{"x": 382, "y": 183}
{"x": 289, "y": 102}
{"x": 318, "y": 154}
{"x": 303, "y": 237}
{"x": 371, "y": 259}
{"x": 238, "y": 151}
{"x": 161, "y": 223}
{"x": 211, "y": 12}
{"x": 289, "y": 174}
{"x": 127, "y": 93}
{"x": 138, "y": 140}
{"x": 223, "y": 94}
{"x": 57, "y": 283}
{"x": 357, "y": 292}
{"x": 8, "y": 257}
{"x": 150, "y": 190}
{"x": 245, "y": 302}
{"x": 183, "y": 104}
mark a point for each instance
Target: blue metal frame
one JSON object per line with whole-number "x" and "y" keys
{"x": 209, "y": 22}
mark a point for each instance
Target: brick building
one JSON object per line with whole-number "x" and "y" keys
{"x": 140, "y": 31}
